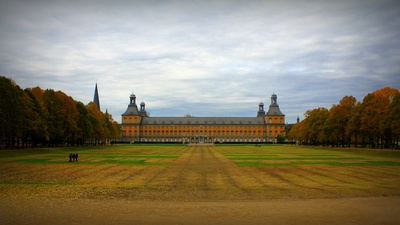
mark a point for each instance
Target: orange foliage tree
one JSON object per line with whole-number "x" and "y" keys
{"x": 337, "y": 121}
{"x": 375, "y": 122}
{"x": 35, "y": 117}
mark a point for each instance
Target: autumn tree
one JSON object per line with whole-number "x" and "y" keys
{"x": 300, "y": 132}
{"x": 61, "y": 117}
{"x": 33, "y": 117}
{"x": 71, "y": 118}
{"x": 315, "y": 124}
{"x": 112, "y": 127}
{"x": 338, "y": 119}
{"x": 35, "y": 129}
{"x": 353, "y": 131}
{"x": 374, "y": 122}
{"x": 96, "y": 119}
{"x": 375, "y": 109}
{"x": 292, "y": 134}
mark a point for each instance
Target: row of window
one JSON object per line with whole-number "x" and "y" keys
{"x": 197, "y": 140}
{"x": 206, "y": 140}
{"x": 271, "y": 134}
{"x": 276, "y": 120}
{"x": 200, "y": 128}
{"x": 206, "y": 131}
{"x": 132, "y": 120}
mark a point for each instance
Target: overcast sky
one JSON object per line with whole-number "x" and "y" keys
{"x": 206, "y": 58}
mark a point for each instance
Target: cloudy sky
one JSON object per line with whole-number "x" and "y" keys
{"x": 206, "y": 58}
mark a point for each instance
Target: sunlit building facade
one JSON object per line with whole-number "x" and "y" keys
{"x": 138, "y": 126}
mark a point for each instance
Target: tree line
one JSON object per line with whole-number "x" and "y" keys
{"x": 34, "y": 117}
{"x": 373, "y": 123}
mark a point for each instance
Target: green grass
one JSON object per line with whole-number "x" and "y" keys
{"x": 220, "y": 172}
{"x": 246, "y": 154}
{"x": 124, "y": 162}
{"x": 250, "y": 156}
{"x": 121, "y": 154}
{"x": 296, "y": 163}
{"x": 38, "y": 161}
{"x": 135, "y": 156}
{"x": 241, "y": 155}
{"x": 295, "y": 158}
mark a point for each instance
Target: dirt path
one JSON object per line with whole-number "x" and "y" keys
{"x": 15, "y": 210}
{"x": 202, "y": 173}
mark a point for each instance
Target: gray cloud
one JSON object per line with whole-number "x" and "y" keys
{"x": 207, "y": 58}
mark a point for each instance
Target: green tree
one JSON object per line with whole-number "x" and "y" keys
{"x": 85, "y": 127}
{"x": 393, "y": 120}
{"x": 11, "y": 112}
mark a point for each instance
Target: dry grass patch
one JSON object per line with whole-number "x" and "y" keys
{"x": 167, "y": 172}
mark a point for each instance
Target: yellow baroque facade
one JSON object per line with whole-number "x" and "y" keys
{"x": 137, "y": 126}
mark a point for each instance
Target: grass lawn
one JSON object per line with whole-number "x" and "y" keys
{"x": 180, "y": 172}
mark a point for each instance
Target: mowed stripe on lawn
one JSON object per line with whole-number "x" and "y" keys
{"x": 202, "y": 172}
{"x": 199, "y": 173}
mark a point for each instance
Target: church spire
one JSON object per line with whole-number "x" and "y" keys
{"x": 96, "y": 99}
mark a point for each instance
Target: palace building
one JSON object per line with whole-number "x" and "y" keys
{"x": 138, "y": 126}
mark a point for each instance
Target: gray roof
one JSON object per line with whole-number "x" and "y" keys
{"x": 274, "y": 111}
{"x": 132, "y": 110}
{"x": 202, "y": 120}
